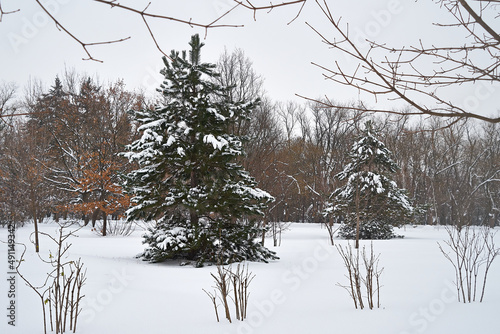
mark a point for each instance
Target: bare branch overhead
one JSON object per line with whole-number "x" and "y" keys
{"x": 417, "y": 75}
{"x": 145, "y": 15}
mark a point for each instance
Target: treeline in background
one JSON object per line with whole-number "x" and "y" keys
{"x": 60, "y": 156}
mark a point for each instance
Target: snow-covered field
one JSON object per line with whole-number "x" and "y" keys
{"x": 296, "y": 294}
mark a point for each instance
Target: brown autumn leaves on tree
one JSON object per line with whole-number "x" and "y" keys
{"x": 64, "y": 155}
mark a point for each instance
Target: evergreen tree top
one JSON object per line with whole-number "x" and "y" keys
{"x": 55, "y": 91}
{"x": 57, "y": 88}
{"x": 194, "y": 53}
{"x": 178, "y": 66}
{"x": 369, "y": 154}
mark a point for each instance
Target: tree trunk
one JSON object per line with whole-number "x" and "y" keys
{"x": 104, "y": 223}
{"x": 357, "y": 218}
{"x": 85, "y": 199}
{"x": 95, "y": 214}
{"x": 35, "y": 221}
{"x": 264, "y": 223}
{"x": 37, "y": 243}
{"x": 192, "y": 212}
{"x": 329, "y": 227}
{"x": 493, "y": 219}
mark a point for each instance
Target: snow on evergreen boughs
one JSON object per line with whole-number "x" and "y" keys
{"x": 211, "y": 242}
{"x": 186, "y": 158}
{"x": 369, "y": 193}
{"x": 370, "y": 229}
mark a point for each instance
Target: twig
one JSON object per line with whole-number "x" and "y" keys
{"x": 2, "y": 12}
{"x": 84, "y": 45}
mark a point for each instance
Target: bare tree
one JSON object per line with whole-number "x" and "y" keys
{"x": 289, "y": 115}
{"x": 12, "y": 193}
{"x": 236, "y": 71}
{"x": 9, "y": 206}
{"x": 8, "y": 104}
{"x": 420, "y": 75}
{"x": 490, "y": 172}
{"x": 7, "y": 94}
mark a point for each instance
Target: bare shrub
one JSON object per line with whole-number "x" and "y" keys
{"x": 61, "y": 289}
{"x": 237, "y": 282}
{"x": 213, "y": 298}
{"x": 276, "y": 229}
{"x": 116, "y": 227}
{"x": 351, "y": 262}
{"x": 471, "y": 252}
{"x": 372, "y": 277}
{"x": 241, "y": 279}
{"x": 331, "y": 228}
{"x": 370, "y": 280}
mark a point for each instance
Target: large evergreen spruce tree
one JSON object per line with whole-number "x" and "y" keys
{"x": 370, "y": 203}
{"x": 204, "y": 203}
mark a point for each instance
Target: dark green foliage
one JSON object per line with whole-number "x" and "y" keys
{"x": 188, "y": 179}
{"x": 371, "y": 229}
{"x": 370, "y": 197}
{"x": 212, "y": 242}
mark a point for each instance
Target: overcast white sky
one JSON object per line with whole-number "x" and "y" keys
{"x": 31, "y": 45}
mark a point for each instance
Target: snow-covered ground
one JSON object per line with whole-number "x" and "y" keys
{"x": 296, "y": 294}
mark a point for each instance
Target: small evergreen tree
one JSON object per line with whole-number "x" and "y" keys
{"x": 205, "y": 203}
{"x": 370, "y": 203}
